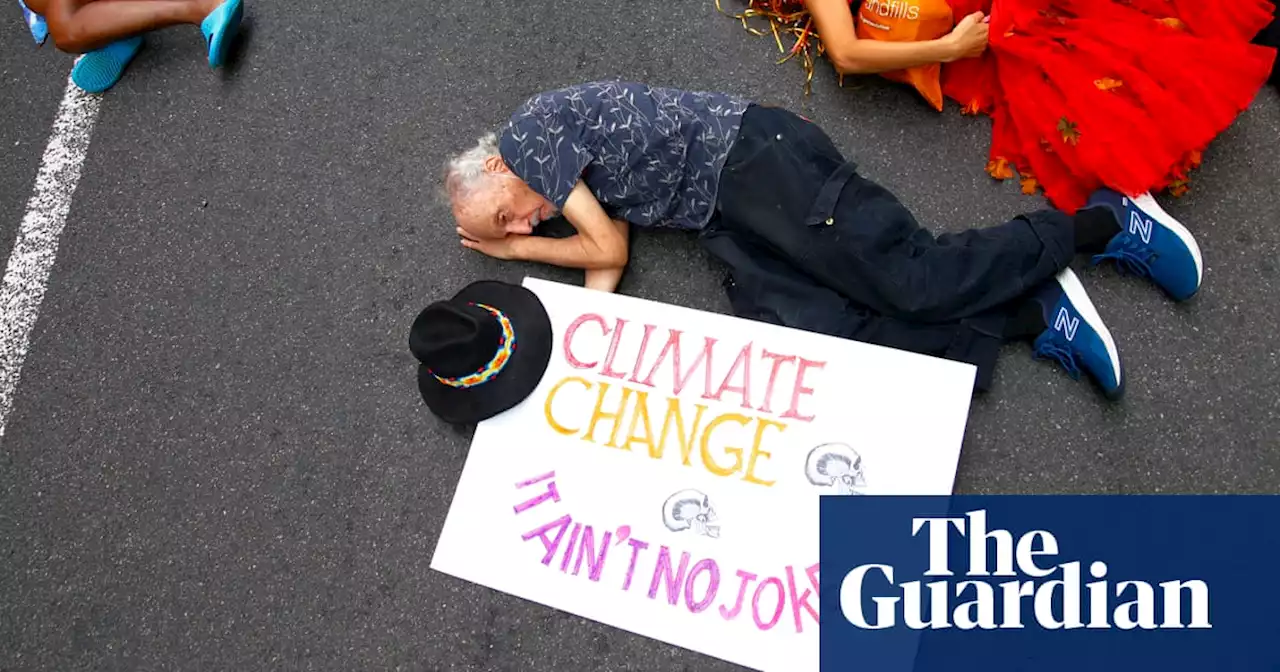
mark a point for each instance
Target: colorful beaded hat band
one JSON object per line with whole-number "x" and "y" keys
{"x": 505, "y": 347}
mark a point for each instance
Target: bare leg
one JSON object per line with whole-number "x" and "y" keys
{"x": 79, "y": 26}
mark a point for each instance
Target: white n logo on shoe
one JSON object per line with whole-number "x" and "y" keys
{"x": 1066, "y": 324}
{"x": 1141, "y": 226}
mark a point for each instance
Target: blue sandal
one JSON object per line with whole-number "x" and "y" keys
{"x": 99, "y": 70}
{"x": 220, "y": 28}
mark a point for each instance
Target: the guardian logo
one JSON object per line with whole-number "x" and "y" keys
{"x": 1052, "y": 593}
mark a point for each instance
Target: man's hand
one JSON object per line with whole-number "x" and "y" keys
{"x": 969, "y": 38}
{"x": 501, "y": 248}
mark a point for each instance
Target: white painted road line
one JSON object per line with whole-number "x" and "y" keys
{"x": 36, "y": 247}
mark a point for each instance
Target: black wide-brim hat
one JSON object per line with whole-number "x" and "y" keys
{"x": 481, "y": 352}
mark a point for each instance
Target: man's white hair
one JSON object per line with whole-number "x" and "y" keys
{"x": 466, "y": 171}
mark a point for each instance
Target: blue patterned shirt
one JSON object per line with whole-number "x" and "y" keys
{"x": 652, "y": 156}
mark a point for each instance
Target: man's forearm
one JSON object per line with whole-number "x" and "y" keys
{"x": 579, "y": 251}
{"x": 567, "y": 252}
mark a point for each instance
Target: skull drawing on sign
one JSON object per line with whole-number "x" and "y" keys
{"x": 836, "y": 465}
{"x": 691, "y": 510}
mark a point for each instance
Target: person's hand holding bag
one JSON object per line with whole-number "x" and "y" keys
{"x": 969, "y": 37}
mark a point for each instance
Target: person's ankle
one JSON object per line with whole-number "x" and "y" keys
{"x": 1027, "y": 321}
{"x": 1095, "y": 226}
{"x": 201, "y": 9}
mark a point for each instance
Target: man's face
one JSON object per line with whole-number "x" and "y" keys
{"x": 502, "y": 205}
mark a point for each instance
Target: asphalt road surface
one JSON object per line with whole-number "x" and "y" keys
{"x": 217, "y": 458}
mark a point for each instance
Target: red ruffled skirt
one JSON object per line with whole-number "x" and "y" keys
{"x": 1118, "y": 93}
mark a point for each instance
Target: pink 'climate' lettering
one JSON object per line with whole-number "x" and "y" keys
{"x": 592, "y": 342}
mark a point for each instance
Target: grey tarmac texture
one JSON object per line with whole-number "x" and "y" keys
{"x": 218, "y": 460}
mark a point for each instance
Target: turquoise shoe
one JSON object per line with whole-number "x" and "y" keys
{"x": 99, "y": 70}
{"x": 39, "y": 27}
{"x": 220, "y": 28}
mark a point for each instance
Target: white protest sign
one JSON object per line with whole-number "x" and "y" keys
{"x": 664, "y": 476}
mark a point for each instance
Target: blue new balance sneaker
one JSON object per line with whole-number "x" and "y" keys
{"x": 1151, "y": 244}
{"x": 1076, "y": 338}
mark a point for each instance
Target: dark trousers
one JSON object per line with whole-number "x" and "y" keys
{"x": 1270, "y": 37}
{"x": 812, "y": 244}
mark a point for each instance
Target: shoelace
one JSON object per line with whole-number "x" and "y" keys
{"x": 1131, "y": 257}
{"x": 1059, "y": 352}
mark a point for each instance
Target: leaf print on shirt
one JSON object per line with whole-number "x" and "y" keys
{"x": 651, "y": 155}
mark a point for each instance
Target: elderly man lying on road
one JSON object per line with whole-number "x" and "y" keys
{"x": 809, "y": 242}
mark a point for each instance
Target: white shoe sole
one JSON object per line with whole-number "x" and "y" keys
{"x": 1149, "y": 205}
{"x": 1079, "y": 298}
